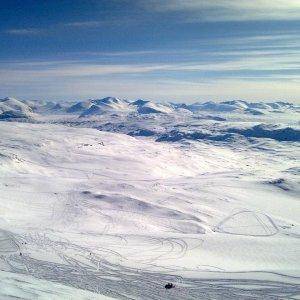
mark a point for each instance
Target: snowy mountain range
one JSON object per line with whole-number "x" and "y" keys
{"x": 211, "y": 121}
{"x": 13, "y": 108}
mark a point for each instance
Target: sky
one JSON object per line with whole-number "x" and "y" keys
{"x": 167, "y": 50}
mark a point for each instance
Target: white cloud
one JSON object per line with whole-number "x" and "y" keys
{"x": 121, "y": 53}
{"x": 230, "y": 10}
{"x": 73, "y": 79}
{"x": 236, "y": 61}
{"x": 89, "y": 77}
{"x": 112, "y": 21}
{"x": 85, "y": 24}
{"x": 164, "y": 90}
{"x": 24, "y": 31}
{"x": 67, "y": 69}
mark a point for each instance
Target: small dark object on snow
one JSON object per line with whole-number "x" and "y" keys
{"x": 169, "y": 286}
{"x": 20, "y": 253}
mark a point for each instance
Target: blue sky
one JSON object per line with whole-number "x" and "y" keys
{"x": 169, "y": 50}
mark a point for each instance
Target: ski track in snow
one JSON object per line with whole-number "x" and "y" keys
{"x": 94, "y": 273}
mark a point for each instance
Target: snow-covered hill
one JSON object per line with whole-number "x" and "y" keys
{"x": 254, "y": 108}
{"x": 122, "y": 216}
{"x": 104, "y": 106}
{"x": 11, "y": 108}
{"x": 147, "y": 107}
{"x": 109, "y": 198}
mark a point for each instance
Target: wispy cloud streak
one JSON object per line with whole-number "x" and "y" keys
{"x": 230, "y": 10}
{"x": 23, "y": 31}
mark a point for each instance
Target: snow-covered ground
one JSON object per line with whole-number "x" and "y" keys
{"x": 114, "y": 199}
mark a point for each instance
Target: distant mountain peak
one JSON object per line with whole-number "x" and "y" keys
{"x": 139, "y": 102}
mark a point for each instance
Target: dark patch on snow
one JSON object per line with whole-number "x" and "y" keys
{"x": 175, "y": 136}
{"x": 142, "y": 132}
{"x": 13, "y": 115}
{"x": 86, "y": 192}
{"x": 254, "y": 112}
{"x": 209, "y": 117}
{"x": 78, "y": 107}
{"x": 100, "y": 196}
{"x": 294, "y": 170}
{"x": 169, "y": 286}
{"x": 280, "y": 183}
{"x": 139, "y": 102}
{"x": 270, "y": 132}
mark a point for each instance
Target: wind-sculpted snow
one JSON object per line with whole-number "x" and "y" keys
{"x": 120, "y": 203}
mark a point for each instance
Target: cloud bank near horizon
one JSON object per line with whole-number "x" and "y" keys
{"x": 166, "y": 50}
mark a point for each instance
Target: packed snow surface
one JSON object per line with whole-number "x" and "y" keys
{"x": 113, "y": 198}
